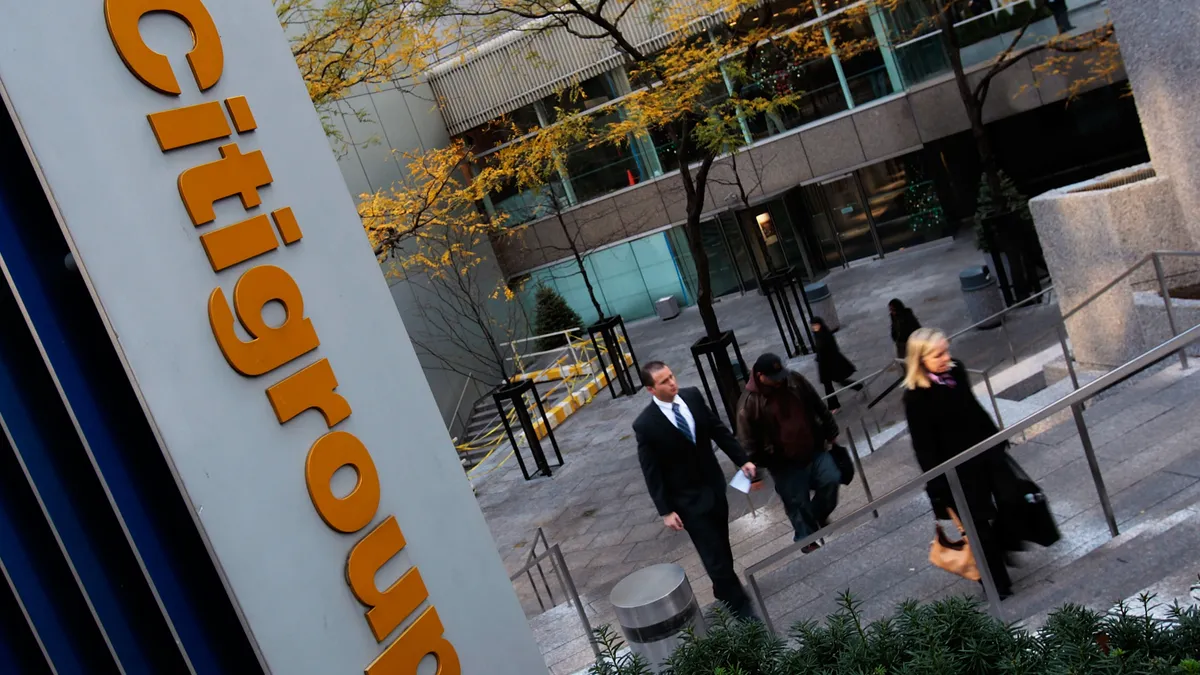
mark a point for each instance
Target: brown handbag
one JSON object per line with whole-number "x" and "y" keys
{"x": 954, "y": 556}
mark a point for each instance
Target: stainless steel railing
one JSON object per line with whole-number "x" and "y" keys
{"x": 1075, "y": 401}
{"x": 558, "y": 564}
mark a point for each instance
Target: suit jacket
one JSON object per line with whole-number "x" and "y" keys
{"x": 684, "y": 477}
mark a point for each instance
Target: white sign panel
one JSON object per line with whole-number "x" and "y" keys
{"x": 207, "y": 213}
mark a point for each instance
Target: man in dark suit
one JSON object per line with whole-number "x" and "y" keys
{"x": 675, "y": 434}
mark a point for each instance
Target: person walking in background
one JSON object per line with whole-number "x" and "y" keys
{"x": 784, "y": 425}
{"x": 945, "y": 419}
{"x": 675, "y": 435}
{"x": 832, "y": 365}
{"x": 904, "y": 323}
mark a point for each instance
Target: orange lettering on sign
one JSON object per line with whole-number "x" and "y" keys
{"x": 330, "y": 453}
{"x": 239, "y": 242}
{"x": 233, "y": 174}
{"x": 387, "y": 608}
{"x": 206, "y": 57}
{"x": 189, "y": 125}
{"x": 269, "y": 347}
{"x": 285, "y": 222}
{"x": 239, "y": 110}
{"x": 423, "y": 638}
{"x": 311, "y": 388}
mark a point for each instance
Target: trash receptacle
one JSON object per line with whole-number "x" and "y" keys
{"x": 820, "y": 299}
{"x": 982, "y": 295}
{"x": 655, "y": 606}
{"x": 666, "y": 308}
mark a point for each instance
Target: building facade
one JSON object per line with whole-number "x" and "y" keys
{"x": 372, "y": 129}
{"x": 876, "y": 157}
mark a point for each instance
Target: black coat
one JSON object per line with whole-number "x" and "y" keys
{"x": 832, "y": 365}
{"x": 904, "y": 324}
{"x": 683, "y": 477}
{"x": 945, "y": 421}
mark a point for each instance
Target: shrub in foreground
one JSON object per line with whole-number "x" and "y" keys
{"x": 948, "y": 637}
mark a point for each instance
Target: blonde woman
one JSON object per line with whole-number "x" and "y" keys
{"x": 944, "y": 419}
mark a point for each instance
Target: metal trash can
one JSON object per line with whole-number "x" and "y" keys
{"x": 666, "y": 308}
{"x": 655, "y": 606}
{"x": 982, "y": 295}
{"x": 821, "y": 300}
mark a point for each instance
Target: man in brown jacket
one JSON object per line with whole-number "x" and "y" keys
{"x": 783, "y": 425}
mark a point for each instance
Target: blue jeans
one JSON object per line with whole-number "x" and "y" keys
{"x": 809, "y": 493}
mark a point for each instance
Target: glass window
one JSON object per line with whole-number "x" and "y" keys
{"x": 902, "y": 201}
{"x": 866, "y": 74}
{"x": 590, "y": 93}
{"x": 603, "y": 168}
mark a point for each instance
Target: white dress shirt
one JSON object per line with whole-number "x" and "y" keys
{"x": 668, "y": 410}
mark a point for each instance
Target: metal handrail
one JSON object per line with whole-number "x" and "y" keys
{"x": 554, "y": 553}
{"x": 1154, "y": 257}
{"x": 1072, "y": 400}
{"x": 973, "y": 326}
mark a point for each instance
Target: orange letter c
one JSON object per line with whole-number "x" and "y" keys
{"x": 206, "y": 57}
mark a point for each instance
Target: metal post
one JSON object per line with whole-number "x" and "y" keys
{"x": 541, "y": 572}
{"x": 1061, "y": 329}
{"x": 762, "y": 604}
{"x": 858, "y": 467}
{"x": 1085, "y": 439}
{"x": 536, "y": 594}
{"x": 1166, "y": 296}
{"x": 964, "y": 514}
{"x": 549, "y": 432}
{"x": 991, "y": 394}
{"x": 603, "y": 370}
{"x": 568, "y": 584}
{"x": 1007, "y": 338}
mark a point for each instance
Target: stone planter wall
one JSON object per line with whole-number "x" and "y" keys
{"x": 1093, "y": 231}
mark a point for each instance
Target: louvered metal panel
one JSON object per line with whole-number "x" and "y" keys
{"x": 525, "y": 65}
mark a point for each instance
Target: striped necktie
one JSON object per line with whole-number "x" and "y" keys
{"x": 681, "y": 422}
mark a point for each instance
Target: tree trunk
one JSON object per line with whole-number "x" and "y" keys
{"x": 587, "y": 280}
{"x": 983, "y": 145}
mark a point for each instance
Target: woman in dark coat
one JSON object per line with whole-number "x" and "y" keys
{"x": 832, "y": 366}
{"x": 945, "y": 419}
{"x": 904, "y": 323}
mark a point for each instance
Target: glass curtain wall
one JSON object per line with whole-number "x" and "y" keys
{"x": 874, "y": 211}
{"x": 907, "y": 49}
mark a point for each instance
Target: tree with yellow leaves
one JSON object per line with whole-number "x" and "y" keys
{"x": 343, "y": 44}
{"x": 536, "y": 163}
{"x": 1098, "y": 54}
{"x": 697, "y": 90}
{"x": 428, "y": 230}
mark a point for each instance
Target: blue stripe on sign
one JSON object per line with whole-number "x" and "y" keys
{"x": 28, "y": 549}
{"x": 34, "y": 281}
{"x": 20, "y": 652}
{"x": 55, "y": 493}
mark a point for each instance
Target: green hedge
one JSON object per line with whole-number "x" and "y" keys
{"x": 949, "y": 637}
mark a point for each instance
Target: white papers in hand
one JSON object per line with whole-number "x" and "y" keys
{"x": 740, "y": 482}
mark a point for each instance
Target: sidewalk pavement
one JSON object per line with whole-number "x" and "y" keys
{"x": 596, "y": 506}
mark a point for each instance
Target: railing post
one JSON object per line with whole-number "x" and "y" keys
{"x": 1007, "y": 338}
{"x": 1085, "y": 439}
{"x": 1061, "y": 329}
{"x": 858, "y": 467}
{"x": 964, "y": 514}
{"x": 568, "y": 584}
{"x": 762, "y": 604}
{"x": 1166, "y": 296}
{"x": 992, "y": 395}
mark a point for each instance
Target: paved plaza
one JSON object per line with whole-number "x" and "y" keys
{"x": 596, "y": 507}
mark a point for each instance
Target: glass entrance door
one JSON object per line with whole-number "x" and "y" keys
{"x": 851, "y": 221}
